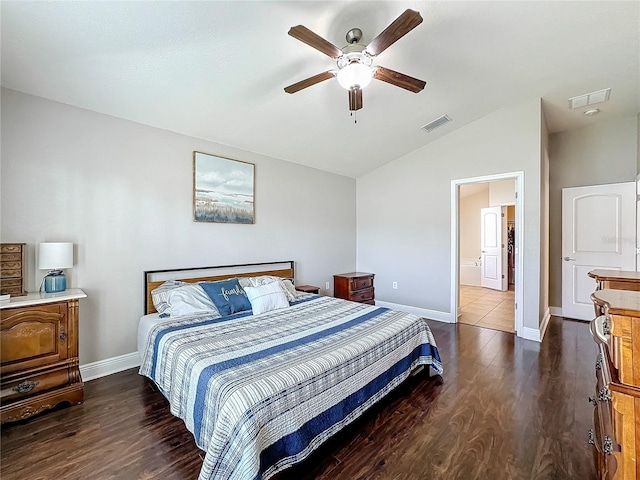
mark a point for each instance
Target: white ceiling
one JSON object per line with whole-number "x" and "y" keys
{"x": 216, "y": 70}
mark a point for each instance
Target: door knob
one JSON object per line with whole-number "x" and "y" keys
{"x": 569, "y": 259}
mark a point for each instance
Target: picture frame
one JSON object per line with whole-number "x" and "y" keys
{"x": 223, "y": 189}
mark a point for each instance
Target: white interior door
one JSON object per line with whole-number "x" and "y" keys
{"x": 491, "y": 247}
{"x": 598, "y": 231}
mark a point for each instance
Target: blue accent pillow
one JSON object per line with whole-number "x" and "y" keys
{"x": 227, "y": 295}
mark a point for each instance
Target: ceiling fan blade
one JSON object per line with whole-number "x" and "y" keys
{"x": 307, "y": 82}
{"x": 399, "y": 79}
{"x": 355, "y": 98}
{"x": 402, "y": 25}
{"x": 314, "y": 40}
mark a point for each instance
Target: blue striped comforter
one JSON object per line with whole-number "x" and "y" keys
{"x": 260, "y": 393}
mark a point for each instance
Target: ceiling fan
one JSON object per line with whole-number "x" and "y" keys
{"x": 355, "y": 61}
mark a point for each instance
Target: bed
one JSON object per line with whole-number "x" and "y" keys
{"x": 260, "y": 392}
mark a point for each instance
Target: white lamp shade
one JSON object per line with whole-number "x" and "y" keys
{"x": 55, "y": 255}
{"x": 354, "y": 74}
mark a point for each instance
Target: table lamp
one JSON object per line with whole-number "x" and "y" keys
{"x": 54, "y": 256}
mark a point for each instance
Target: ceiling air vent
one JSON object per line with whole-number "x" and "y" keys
{"x": 590, "y": 98}
{"x": 436, "y": 123}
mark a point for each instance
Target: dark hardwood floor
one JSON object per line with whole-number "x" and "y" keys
{"x": 506, "y": 408}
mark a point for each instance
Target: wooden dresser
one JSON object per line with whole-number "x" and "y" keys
{"x": 354, "y": 286}
{"x": 616, "y": 279}
{"x": 12, "y": 266}
{"x": 616, "y": 433}
{"x": 39, "y": 353}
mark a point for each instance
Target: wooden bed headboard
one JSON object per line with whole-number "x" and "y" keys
{"x": 155, "y": 278}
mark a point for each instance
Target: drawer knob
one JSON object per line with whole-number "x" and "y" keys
{"x": 592, "y": 438}
{"x": 593, "y": 401}
{"x": 607, "y": 445}
{"x": 63, "y": 337}
{"x": 25, "y": 386}
{"x": 604, "y": 395}
{"x": 606, "y": 325}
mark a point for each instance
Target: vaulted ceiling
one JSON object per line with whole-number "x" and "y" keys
{"x": 216, "y": 70}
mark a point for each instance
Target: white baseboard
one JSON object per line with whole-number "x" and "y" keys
{"x": 556, "y": 311}
{"x": 105, "y": 367}
{"x": 529, "y": 333}
{"x": 422, "y": 312}
{"x": 537, "y": 334}
{"x": 545, "y": 323}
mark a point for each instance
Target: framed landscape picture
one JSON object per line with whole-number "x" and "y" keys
{"x": 223, "y": 189}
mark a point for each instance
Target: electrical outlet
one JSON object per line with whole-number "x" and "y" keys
{"x": 326, "y": 285}
{"x": 395, "y": 285}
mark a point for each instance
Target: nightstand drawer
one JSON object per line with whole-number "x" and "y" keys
{"x": 362, "y": 295}
{"x": 11, "y": 248}
{"x": 11, "y": 273}
{"x": 27, "y": 385}
{"x": 361, "y": 283}
{"x": 10, "y": 265}
{"x": 11, "y": 257}
{"x": 11, "y": 290}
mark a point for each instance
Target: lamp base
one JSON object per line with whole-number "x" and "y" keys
{"x": 55, "y": 282}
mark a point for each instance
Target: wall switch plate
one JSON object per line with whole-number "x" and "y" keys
{"x": 326, "y": 285}
{"x": 395, "y": 285}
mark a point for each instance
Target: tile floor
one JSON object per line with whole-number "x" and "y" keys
{"x": 487, "y": 308}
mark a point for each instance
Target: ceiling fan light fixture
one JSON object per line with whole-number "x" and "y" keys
{"x": 354, "y": 74}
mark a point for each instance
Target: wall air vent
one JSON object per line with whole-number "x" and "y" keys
{"x": 436, "y": 123}
{"x": 590, "y": 98}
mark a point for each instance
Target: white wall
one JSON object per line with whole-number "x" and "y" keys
{"x": 404, "y": 208}
{"x": 502, "y": 193}
{"x": 606, "y": 152}
{"x": 469, "y": 220}
{"x": 122, "y": 192}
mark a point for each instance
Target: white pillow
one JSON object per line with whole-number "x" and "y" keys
{"x": 189, "y": 299}
{"x": 264, "y": 279}
{"x": 291, "y": 290}
{"x": 159, "y": 295}
{"x": 266, "y": 298}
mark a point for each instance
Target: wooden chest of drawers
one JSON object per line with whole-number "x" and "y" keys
{"x": 355, "y": 286}
{"x": 616, "y": 279}
{"x": 616, "y": 433}
{"x": 12, "y": 267}
{"x": 39, "y": 365}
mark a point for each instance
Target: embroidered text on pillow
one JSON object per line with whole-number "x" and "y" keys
{"x": 237, "y": 290}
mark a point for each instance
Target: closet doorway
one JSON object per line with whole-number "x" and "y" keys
{"x": 486, "y": 250}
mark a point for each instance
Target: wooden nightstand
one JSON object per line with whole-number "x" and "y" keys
{"x": 355, "y": 286}
{"x": 308, "y": 289}
{"x": 39, "y": 364}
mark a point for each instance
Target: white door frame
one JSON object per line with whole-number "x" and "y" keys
{"x": 519, "y": 237}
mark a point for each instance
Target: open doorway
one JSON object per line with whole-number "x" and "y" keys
{"x": 485, "y": 251}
